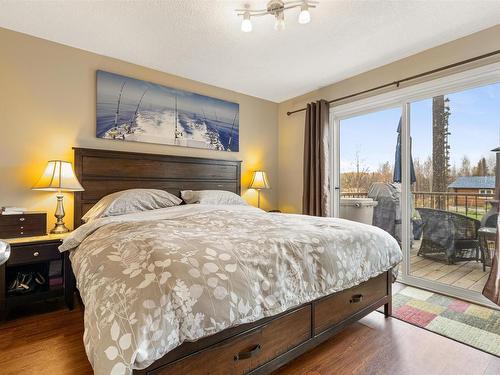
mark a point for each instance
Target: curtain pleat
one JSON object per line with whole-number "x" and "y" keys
{"x": 492, "y": 287}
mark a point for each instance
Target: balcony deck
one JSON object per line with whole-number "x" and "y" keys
{"x": 467, "y": 275}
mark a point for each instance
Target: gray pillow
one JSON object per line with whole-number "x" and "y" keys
{"x": 130, "y": 201}
{"x": 212, "y": 197}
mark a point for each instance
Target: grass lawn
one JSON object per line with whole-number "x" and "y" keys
{"x": 461, "y": 210}
{"x": 470, "y": 213}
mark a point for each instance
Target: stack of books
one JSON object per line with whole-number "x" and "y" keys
{"x": 10, "y": 210}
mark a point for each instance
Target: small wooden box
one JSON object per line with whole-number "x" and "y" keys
{"x": 27, "y": 224}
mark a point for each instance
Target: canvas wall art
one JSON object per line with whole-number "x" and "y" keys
{"x": 129, "y": 109}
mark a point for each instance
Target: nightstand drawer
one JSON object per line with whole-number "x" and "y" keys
{"x": 22, "y": 254}
{"x": 23, "y": 225}
{"x": 25, "y": 230}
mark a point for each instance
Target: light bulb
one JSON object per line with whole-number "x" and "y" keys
{"x": 280, "y": 21}
{"x": 304, "y": 15}
{"x": 246, "y": 24}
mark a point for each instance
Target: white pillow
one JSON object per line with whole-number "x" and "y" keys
{"x": 212, "y": 197}
{"x": 130, "y": 201}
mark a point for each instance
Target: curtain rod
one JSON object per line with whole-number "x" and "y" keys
{"x": 398, "y": 82}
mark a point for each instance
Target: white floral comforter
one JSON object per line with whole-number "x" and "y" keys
{"x": 151, "y": 281}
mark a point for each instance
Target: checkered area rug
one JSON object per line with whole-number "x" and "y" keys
{"x": 462, "y": 321}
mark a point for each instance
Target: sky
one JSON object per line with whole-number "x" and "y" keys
{"x": 474, "y": 124}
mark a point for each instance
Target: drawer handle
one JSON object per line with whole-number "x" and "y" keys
{"x": 356, "y": 298}
{"x": 22, "y": 219}
{"x": 36, "y": 253}
{"x": 248, "y": 354}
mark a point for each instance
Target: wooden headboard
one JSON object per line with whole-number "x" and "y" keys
{"x": 102, "y": 172}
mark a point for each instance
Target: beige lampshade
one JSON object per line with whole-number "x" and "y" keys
{"x": 259, "y": 181}
{"x": 58, "y": 176}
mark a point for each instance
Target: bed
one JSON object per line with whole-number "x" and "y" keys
{"x": 222, "y": 289}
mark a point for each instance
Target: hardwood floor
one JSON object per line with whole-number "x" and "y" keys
{"x": 45, "y": 344}
{"x": 51, "y": 344}
{"x": 377, "y": 345}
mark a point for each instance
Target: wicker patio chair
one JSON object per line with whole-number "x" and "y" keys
{"x": 491, "y": 221}
{"x": 487, "y": 238}
{"x": 448, "y": 236}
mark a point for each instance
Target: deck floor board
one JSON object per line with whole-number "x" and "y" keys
{"x": 467, "y": 275}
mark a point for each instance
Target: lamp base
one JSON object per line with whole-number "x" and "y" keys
{"x": 59, "y": 227}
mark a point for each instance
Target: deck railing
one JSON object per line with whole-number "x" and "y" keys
{"x": 354, "y": 195}
{"x": 468, "y": 204}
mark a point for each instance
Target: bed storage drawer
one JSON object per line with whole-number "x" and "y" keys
{"x": 243, "y": 353}
{"x": 333, "y": 309}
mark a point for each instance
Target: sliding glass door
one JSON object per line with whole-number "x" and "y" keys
{"x": 369, "y": 157}
{"x": 423, "y": 154}
{"x": 454, "y": 213}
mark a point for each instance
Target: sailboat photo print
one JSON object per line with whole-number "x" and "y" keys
{"x": 129, "y": 109}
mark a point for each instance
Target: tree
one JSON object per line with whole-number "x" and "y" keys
{"x": 481, "y": 169}
{"x": 453, "y": 172}
{"x": 465, "y": 168}
{"x": 358, "y": 181}
{"x": 423, "y": 173}
{"x": 440, "y": 147}
{"x": 491, "y": 162}
{"x": 384, "y": 173}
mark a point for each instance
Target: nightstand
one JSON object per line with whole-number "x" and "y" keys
{"x": 36, "y": 255}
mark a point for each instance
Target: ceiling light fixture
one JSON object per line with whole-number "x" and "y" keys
{"x": 280, "y": 21}
{"x": 246, "y": 24}
{"x": 277, "y": 9}
{"x": 304, "y": 15}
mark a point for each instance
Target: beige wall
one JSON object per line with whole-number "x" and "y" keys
{"x": 291, "y": 128}
{"x": 47, "y": 106}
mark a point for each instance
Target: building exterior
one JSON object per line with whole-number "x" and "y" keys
{"x": 472, "y": 190}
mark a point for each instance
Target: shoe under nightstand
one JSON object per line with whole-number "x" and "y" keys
{"x": 37, "y": 256}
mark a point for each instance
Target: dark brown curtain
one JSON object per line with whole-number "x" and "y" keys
{"x": 316, "y": 189}
{"x": 492, "y": 288}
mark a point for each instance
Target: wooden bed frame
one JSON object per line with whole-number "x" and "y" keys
{"x": 255, "y": 348}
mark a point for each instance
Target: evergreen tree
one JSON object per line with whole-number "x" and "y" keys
{"x": 440, "y": 147}
{"x": 481, "y": 168}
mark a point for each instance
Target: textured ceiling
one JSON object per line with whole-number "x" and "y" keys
{"x": 202, "y": 40}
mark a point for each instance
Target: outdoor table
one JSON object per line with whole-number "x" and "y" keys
{"x": 486, "y": 235}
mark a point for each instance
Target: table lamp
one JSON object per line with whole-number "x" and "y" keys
{"x": 58, "y": 176}
{"x": 259, "y": 182}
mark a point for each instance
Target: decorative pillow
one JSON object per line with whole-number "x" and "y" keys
{"x": 130, "y": 201}
{"x": 211, "y": 197}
